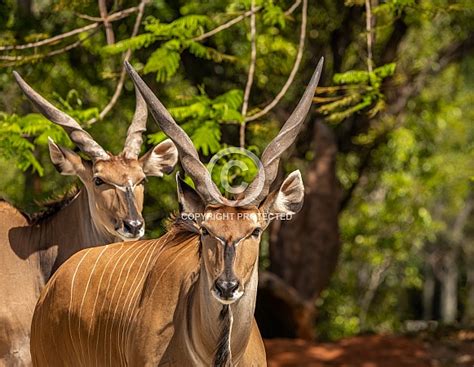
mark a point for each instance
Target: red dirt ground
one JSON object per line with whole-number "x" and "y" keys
{"x": 372, "y": 351}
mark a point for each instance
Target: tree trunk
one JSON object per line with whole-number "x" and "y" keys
{"x": 377, "y": 276}
{"x": 468, "y": 318}
{"x": 429, "y": 285}
{"x": 467, "y": 245}
{"x": 449, "y": 289}
{"x": 450, "y": 264}
{"x": 305, "y": 250}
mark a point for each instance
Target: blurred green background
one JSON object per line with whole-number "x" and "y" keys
{"x": 388, "y": 151}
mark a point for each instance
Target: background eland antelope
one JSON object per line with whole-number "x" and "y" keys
{"x": 186, "y": 299}
{"x": 106, "y": 209}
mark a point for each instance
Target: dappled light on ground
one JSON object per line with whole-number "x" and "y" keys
{"x": 361, "y": 351}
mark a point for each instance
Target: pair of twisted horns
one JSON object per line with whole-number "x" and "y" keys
{"x": 79, "y": 136}
{"x": 190, "y": 158}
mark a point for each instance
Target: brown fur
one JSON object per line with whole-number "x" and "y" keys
{"x": 128, "y": 304}
{"x": 31, "y": 250}
{"x": 180, "y": 324}
{"x": 147, "y": 276}
{"x": 154, "y": 303}
{"x": 107, "y": 209}
{"x": 52, "y": 206}
{"x": 29, "y": 253}
{"x": 9, "y": 330}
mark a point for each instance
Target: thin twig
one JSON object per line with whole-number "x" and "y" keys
{"x": 335, "y": 88}
{"x": 112, "y": 18}
{"x": 10, "y": 58}
{"x": 368, "y": 28}
{"x": 326, "y": 99}
{"x": 127, "y": 55}
{"x": 293, "y": 7}
{"x": 299, "y": 55}
{"x": 228, "y": 24}
{"x": 88, "y": 17}
{"x": 238, "y": 19}
{"x": 52, "y": 39}
{"x": 123, "y": 13}
{"x": 18, "y": 60}
{"x": 248, "y": 86}
{"x": 109, "y": 32}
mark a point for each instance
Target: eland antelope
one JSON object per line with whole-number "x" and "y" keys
{"x": 186, "y": 299}
{"x": 106, "y": 209}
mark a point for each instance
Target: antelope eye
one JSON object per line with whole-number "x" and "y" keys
{"x": 98, "y": 181}
{"x": 256, "y": 232}
{"x": 204, "y": 231}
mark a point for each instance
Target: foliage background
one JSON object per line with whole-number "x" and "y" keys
{"x": 407, "y": 175}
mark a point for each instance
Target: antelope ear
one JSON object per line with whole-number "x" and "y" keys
{"x": 191, "y": 205}
{"x": 287, "y": 200}
{"x": 160, "y": 159}
{"x": 65, "y": 160}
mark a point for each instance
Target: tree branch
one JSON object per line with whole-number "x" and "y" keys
{"x": 361, "y": 171}
{"x": 127, "y": 55}
{"x": 88, "y": 17}
{"x": 461, "y": 220}
{"x": 248, "y": 87}
{"x": 18, "y": 60}
{"x": 299, "y": 55}
{"x": 238, "y": 19}
{"x": 281, "y": 289}
{"x": 368, "y": 28}
{"x": 376, "y": 279}
{"x": 114, "y": 17}
{"x": 293, "y": 7}
{"x": 109, "y": 32}
{"x": 228, "y": 24}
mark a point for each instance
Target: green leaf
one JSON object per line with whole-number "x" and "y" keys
{"x": 206, "y": 137}
{"x": 386, "y": 70}
{"x": 351, "y": 77}
{"x": 164, "y": 61}
{"x": 134, "y": 43}
{"x": 274, "y": 16}
{"x": 185, "y": 27}
{"x": 233, "y": 98}
{"x": 207, "y": 53}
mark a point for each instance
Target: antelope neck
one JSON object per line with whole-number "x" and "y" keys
{"x": 65, "y": 233}
{"x": 215, "y": 331}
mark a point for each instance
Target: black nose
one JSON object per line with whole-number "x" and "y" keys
{"x": 133, "y": 226}
{"x": 226, "y": 288}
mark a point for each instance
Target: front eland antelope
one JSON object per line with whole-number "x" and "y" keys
{"x": 186, "y": 299}
{"x": 106, "y": 209}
